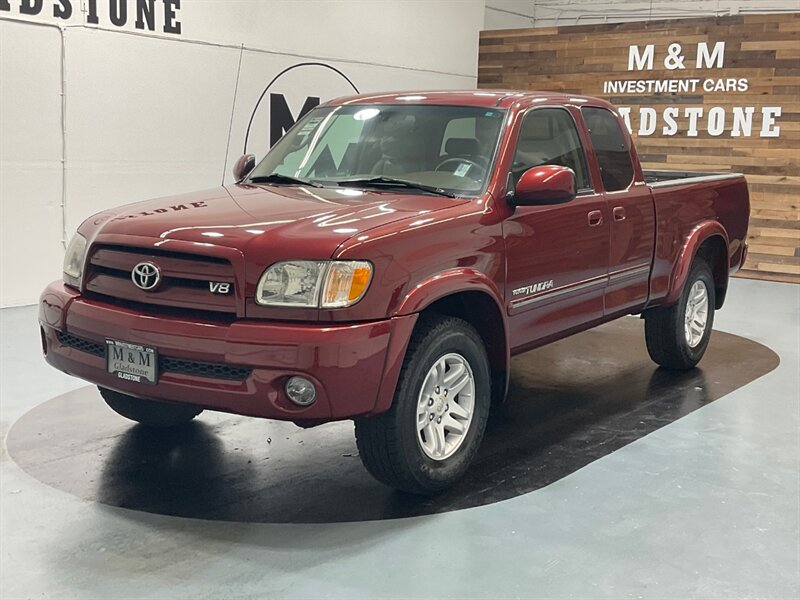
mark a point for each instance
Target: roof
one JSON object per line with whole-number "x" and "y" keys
{"x": 487, "y": 98}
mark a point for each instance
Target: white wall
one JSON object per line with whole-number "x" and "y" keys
{"x": 515, "y": 14}
{"x": 154, "y": 113}
{"x": 30, "y": 160}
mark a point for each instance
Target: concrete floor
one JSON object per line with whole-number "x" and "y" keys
{"x": 705, "y": 507}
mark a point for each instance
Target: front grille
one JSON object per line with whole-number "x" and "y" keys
{"x": 88, "y": 346}
{"x": 185, "y": 278}
{"x": 166, "y": 364}
{"x": 203, "y": 369}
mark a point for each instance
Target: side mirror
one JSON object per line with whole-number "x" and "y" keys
{"x": 243, "y": 166}
{"x": 546, "y": 184}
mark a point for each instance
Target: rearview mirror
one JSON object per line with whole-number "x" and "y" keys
{"x": 546, "y": 184}
{"x": 243, "y": 166}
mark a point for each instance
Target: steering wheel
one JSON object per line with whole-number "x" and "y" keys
{"x": 456, "y": 159}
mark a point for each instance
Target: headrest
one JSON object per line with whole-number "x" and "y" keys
{"x": 461, "y": 147}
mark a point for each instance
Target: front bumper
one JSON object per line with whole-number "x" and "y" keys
{"x": 354, "y": 366}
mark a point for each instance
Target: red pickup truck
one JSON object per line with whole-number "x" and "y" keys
{"x": 383, "y": 263}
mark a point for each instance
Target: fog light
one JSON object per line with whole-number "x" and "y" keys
{"x": 301, "y": 391}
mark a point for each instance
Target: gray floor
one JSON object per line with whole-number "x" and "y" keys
{"x": 706, "y": 507}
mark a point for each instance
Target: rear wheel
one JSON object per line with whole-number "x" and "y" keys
{"x": 429, "y": 437}
{"x": 677, "y": 336}
{"x": 151, "y": 413}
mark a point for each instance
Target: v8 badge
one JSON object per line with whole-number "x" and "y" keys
{"x": 219, "y": 287}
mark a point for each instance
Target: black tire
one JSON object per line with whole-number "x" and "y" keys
{"x": 388, "y": 443}
{"x": 664, "y": 327}
{"x": 150, "y": 413}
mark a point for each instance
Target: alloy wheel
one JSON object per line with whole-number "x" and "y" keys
{"x": 445, "y": 406}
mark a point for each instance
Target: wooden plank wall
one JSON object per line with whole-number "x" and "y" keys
{"x": 764, "y": 49}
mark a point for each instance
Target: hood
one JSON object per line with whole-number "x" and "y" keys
{"x": 303, "y": 222}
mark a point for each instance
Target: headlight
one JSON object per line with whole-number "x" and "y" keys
{"x": 291, "y": 283}
{"x": 314, "y": 283}
{"x": 74, "y": 259}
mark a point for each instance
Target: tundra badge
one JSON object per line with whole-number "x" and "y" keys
{"x": 534, "y": 287}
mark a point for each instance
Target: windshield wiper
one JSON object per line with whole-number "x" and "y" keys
{"x": 286, "y": 179}
{"x": 392, "y": 182}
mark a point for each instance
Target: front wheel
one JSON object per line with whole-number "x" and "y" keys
{"x": 677, "y": 336}
{"x": 150, "y": 413}
{"x": 429, "y": 437}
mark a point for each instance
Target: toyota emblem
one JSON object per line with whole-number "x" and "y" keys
{"x": 146, "y": 276}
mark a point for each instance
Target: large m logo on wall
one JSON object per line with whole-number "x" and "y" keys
{"x": 297, "y": 88}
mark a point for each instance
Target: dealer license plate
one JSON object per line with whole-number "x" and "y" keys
{"x": 132, "y": 362}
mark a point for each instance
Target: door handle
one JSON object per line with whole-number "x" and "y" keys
{"x": 595, "y": 218}
{"x": 619, "y": 213}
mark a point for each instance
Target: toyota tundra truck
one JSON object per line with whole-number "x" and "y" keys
{"x": 384, "y": 262}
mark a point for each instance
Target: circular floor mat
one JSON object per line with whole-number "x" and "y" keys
{"x": 570, "y": 403}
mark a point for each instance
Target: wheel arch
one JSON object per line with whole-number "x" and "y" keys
{"x": 709, "y": 241}
{"x": 714, "y": 250}
{"x": 469, "y": 295}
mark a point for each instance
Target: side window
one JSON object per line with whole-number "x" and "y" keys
{"x": 548, "y": 136}
{"x": 611, "y": 148}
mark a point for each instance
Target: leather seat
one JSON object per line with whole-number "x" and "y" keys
{"x": 399, "y": 155}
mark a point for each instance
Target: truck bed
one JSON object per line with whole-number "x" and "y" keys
{"x": 686, "y": 200}
{"x": 657, "y": 178}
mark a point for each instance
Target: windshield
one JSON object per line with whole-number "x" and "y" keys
{"x": 447, "y": 148}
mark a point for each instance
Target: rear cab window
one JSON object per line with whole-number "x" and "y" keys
{"x": 610, "y": 147}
